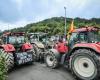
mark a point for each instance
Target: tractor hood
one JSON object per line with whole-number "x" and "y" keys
{"x": 93, "y": 46}
{"x": 26, "y": 46}
{"x": 39, "y": 44}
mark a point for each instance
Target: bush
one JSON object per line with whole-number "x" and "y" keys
{"x": 3, "y": 69}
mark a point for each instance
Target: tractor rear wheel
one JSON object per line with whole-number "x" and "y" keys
{"x": 52, "y": 59}
{"x": 37, "y": 51}
{"x": 9, "y": 58}
{"x": 34, "y": 54}
{"x": 85, "y": 64}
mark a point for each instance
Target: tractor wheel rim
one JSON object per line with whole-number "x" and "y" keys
{"x": 50, "y": 60}
{"x": 84, "y": 66}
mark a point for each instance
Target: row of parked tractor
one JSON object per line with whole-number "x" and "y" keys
{"x": 80, "y": 53}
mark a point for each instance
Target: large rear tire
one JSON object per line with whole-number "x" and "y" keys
{"x": 52, "y": 59}
{"x": 9, "y": 58}
{"x": 37, "y": 52}
{"x": 85, "y": 64}
{"x": 34, "y": 54}
{"x": 3, "y": 69}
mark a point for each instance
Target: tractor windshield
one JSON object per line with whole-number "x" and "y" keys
{"x": 16, "y": 39}
{"x": 34, "y": 38}
{"x": 95, "y": 36}
{"x": 38, "y": 37}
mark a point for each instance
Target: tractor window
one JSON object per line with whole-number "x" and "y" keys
{"x": 16, "y": 39}
{"x": 83, "y": 37}
{"x": 94, "y": 36}
{"x": 4, "y": 39}
{"x": 73, "y": 39}
{"x": 12, "y": 39}
{"x": 20, "y": 39}
{"x": 43, "y": 38}
{"x": 34, "y": 38}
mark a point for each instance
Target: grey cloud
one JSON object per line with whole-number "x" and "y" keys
{"x": 8, "y": 11}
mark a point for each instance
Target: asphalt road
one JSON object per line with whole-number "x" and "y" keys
{"x": 39, "y": 72}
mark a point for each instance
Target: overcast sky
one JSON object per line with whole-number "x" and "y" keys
{"x": 16, "y": 13}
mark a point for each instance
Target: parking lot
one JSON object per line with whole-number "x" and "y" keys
{"x": 39, "y": 71}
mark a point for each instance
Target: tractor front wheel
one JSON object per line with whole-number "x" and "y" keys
{"x": 52, "y": 59}
{"x": 85, "y": 64}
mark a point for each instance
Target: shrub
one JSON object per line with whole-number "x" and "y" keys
{"x": 3, "y": 69}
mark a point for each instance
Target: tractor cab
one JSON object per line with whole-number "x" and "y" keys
{"x": 16, "y": 39}
{"x": 39, "y": 37}
{"x": 84, "y": 35}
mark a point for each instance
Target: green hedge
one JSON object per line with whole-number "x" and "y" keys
{"x": 3, "y": 69}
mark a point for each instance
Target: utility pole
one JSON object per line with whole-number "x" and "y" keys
{"x": 65, "y": 33}
{"x": 8, "y": 27}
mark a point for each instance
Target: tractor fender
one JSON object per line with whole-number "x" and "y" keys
{"x": 92, "y": 46}
{"x": 55, "y": 52}
{"x": 26, "y": 46}
{"x": 39, "y": 44}
{"x": 8, "y": 47}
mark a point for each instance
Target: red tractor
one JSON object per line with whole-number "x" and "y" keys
{"x": 83, "y": 56}
{"x": 16, "y": 50}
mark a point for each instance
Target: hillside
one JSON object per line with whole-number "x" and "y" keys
{"x": 55, "y": 25}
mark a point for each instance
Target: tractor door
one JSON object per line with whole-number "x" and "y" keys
{"x": 80, "y": 37}
{"x": 73, "y": 40}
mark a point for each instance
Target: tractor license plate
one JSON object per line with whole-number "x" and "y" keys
{"x": 23, "y": 58}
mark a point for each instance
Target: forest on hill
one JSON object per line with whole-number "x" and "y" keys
{"x": 55, "y": 25}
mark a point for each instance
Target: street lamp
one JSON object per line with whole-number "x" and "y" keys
{"x": 8, "y": 27}
{"x": 65, "y": 33}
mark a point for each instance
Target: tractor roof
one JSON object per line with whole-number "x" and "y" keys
{"x": 38, "y": 33}
{"x": 14, "y": 34}
{"x": 84, "y": 29}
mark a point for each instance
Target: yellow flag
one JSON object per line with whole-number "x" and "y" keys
{"x": 72, "y": 27}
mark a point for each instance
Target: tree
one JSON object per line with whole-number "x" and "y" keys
{"x": 55, "y": 25}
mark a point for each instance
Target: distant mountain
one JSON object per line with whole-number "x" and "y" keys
{"x": 55, "y": 25}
